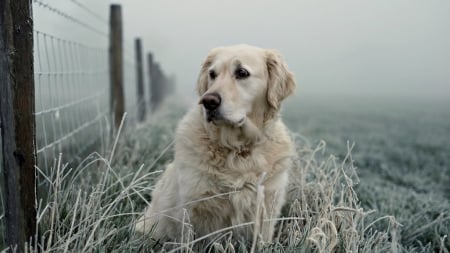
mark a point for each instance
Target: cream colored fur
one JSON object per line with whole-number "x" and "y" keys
{"x": 212, "y": 182}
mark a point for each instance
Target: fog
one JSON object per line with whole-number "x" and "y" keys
{"x": 347, "y": 47}
{"x": 389, "y": 48}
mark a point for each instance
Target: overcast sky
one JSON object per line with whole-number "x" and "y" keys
{"x": 335, "y": 47}
{"x": 381, "y": 47}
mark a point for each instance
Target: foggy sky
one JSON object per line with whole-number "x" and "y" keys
{"x": 383, "y": 47}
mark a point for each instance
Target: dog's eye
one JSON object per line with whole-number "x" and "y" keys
{"x": 212, "y": 74}
{"x": 241, "y": 73}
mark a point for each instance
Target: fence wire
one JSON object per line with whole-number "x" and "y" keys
{"x": 129, "y": 66}
{"x": 72, "y": 86}
{"x": 72, "y": 81}
{"x": 71, "y": 18}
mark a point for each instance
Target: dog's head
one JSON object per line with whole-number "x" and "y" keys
{"x": 242, "y": 82}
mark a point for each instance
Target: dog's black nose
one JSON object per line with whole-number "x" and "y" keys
{"x": 211, "y": 101}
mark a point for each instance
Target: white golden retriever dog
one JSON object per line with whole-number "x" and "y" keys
{"x": 229, "y": 147}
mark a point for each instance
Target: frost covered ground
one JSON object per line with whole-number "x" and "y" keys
{"x": 371, "y": 177}
{"x": 402, "y": 155}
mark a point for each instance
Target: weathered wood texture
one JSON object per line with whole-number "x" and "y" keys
{"x": 151, "y": 80}
{"x": 17, "y": 122}
{"x": 141, "y": 110}
{"x": 157, "y": 83}
{"x": 117, "y": 99}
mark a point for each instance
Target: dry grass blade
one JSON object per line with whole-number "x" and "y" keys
{"x": 92, "y": 207}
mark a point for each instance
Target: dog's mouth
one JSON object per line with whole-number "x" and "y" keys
{"x": 212, "y": 116}
{"x": 216, "y": 118}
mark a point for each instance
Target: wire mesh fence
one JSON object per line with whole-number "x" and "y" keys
{"x": 72, "y": 80}
{"x": 72, "y": 95}
{"x": 130, "y": 82}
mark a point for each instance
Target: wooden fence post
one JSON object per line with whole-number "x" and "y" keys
{"x": 117, "y": 100}
{"x": 140, "y": 81}
{"x": 152, "y": 80}
{"x": 156, "y": 86}
{"x": 17, "y": 122}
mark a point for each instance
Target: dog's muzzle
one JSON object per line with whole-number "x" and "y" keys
{"x": 211, "y": 102}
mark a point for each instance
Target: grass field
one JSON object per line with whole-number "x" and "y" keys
{"x": 402, "y": 152}
{"x": 388, "y": 192}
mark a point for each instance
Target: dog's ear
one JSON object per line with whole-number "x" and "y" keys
{"x": 202, "y": 81}
{"x": 281, "y": 81}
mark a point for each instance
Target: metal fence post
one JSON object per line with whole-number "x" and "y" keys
{"x": 17, "y": 122}
{"x": 117, "y": 100}
{"x": 140, "y": 81}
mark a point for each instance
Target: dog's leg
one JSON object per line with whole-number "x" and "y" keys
{"x": 272, "y": 210}
{"x": 146, "y": 222}
{"x": 161, "y": 217}
{"x": 273, "y": 202}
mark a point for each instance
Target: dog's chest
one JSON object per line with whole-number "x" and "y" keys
{"x": 243, "y": 159}
{"x": 235, "y": 169}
